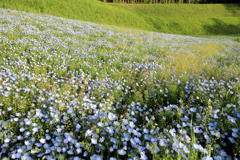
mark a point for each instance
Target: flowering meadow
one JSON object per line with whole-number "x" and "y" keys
{"x": 77, "y": 90}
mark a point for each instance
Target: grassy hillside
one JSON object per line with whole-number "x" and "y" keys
{"x": 197, "y": 19}
{"x": 183, "y": 10}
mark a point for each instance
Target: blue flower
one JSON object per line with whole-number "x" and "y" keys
{"x": 26, "y": 143}
{"x": 231, "y": 139}
{"x": 102, "y": 139}
{"x": 131, "y": 124}
{"x": 96, "y": 157}
{"x": 79, "y": 150}
{"x": 28, "y": 134}
{"x": 85, "y": 153}
{"x": 35, "y": 129}
{"x": 111, "y": 116}
{"x": 207, "y": 158}
{"x": 110, "y": 130}
{"x": 143, "y": 156}
{"x": 94, "y": 140}
{"x": 88, "y": 133}
{"x": 121, "y": 152}
{"x": 7, "y": 140}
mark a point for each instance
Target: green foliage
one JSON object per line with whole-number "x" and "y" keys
{"x": 185, "y": 19}
{"x": 238, "y": 39}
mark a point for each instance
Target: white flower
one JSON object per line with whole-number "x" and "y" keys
{"x": 42, "y": 140}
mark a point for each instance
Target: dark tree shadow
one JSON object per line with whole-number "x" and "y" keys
{"x": 234, "y": 8}
{"x": 221, "y": 28}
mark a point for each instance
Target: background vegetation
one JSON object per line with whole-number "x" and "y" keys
{"x": 185, "y": 19}
{"x": 170, "y": 1}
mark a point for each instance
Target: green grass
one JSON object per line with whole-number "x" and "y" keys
{"x": 194, "y": 19}
{"x": 183, "y": 10}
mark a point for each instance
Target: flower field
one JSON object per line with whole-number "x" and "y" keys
{"x": 79, "y": 90}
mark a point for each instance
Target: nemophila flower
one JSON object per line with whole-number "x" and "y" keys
{"x": 27, "y": 134}
{"x": 42, "y": 140}
{"x": 102, "y": 139}
{"x": 88, "y": 133}
{"x": 70, "y": 152}
{"x": 94, "y": 140}
{"x": 131, "y": 124}
{"x": 100, "y": 124}
{"x": 38, "y": 144}
{"x": 121, "y": 152}
{"x": 76, "y": 158}
{"x": 125, "y": 121}
{"x": 19, "y": 137}
{"x": 235, "y": 135}
{"x": 48, "y": 137}
{"x": 34, "y": 124}
{"x": 112, "y": 158}
{"x": 6, "y": 94}
{"x": 59, "y": 130}
{"x": 96, "y": 157}
{"x": 217, "y": 158}
{"x": 114, "y": 140}
{"x": 234, "y": 129}
{"x": 111, "y": 149}
{"x": 65, "y": 141}
{"x": 231, "y": 139}
{"x": 206, "y": 137}
{"x": 7, "y": 140}
{"x": 231, "y": 119}
{"x": 110, "y": 130}
{"x": 111, "y": 116}
{"x": 116, "y": 123}
{"x": 156, "y": 149}
{"x": 115, "y": 146}
{"x": 79, "y": 150}
{"x": 126, "y": 137}
{"x": 59, "y": 149}
{"x": 143, "y": 156}
{"x": 172, "y": 131}
{"x": 145, "y": 130}
{"x": 27, "y": 142}
{"x": 78, "y": 126}
{"x": 207, "y": 158}
{"x": 85, "y": 153}
{"x": 10, "y": 108}
{"x": 193, "y": 109}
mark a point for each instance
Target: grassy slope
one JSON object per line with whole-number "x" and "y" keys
{"x": 184, "y": 10}
{"x": 175, "y": 18}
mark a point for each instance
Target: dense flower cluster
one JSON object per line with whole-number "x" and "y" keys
{"x": 78, "y": 90}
